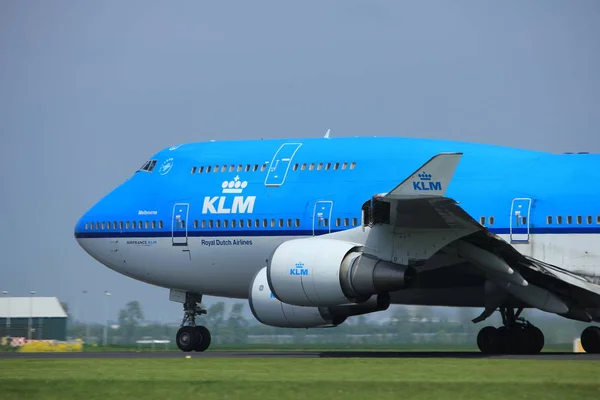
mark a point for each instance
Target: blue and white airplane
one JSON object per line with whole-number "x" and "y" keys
{"x": 313, "y": 231}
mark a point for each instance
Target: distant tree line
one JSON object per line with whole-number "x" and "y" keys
{"x": 231, "y": 327}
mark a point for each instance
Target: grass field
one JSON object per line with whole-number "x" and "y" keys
{"x": 297, "y": 379}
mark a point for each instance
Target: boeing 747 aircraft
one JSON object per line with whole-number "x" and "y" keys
{"x": 313, "y": 231}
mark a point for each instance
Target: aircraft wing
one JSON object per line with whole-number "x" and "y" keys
{"x": 415, "y": 221}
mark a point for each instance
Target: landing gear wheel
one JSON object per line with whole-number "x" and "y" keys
{"x": 187, "y": 338}
{"x": 536, "y": 339}
{"x": 487, "y": 340}
{"x": 204, "y": 338}
{"x": 590, "y": 340}
{"x": 516, "y": 336}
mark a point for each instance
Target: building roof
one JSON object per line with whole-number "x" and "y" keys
{"x": 36, "y": 307}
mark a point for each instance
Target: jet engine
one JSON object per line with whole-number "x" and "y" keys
{"x": 270, "y": 311}
{"x": 327, "y": 272}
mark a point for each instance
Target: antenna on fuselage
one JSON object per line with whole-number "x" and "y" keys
{"x": 327, "y": 134}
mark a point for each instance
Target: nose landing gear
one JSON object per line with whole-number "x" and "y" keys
{"x": 192, "y": 337}
{"x": 517, "y": 336}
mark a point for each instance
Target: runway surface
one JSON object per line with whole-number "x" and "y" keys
{"x": 299, "y": 354}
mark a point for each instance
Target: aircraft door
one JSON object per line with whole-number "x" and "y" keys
{"x": 322, "y": 217}
{"x": 179, "y": 224}
{"x": 281, "y": 164}
{"x": 520, "y": 220}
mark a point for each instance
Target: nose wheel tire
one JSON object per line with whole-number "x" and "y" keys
{"x": 204, "y": 338}
{"x": 193, "y": 338}
{"x": 187, "y": 338}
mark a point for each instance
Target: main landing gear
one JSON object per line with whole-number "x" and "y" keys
{"x": 517, "y": 336}
{"x": 191, "y": 337}
{"x": 590, "y": 340}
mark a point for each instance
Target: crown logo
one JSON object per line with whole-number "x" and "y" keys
{"x": 166, "y": 166}
{"x": 234, "y": 186}
{"x": 424, "y": 176}
{"x": 300, "y": 265}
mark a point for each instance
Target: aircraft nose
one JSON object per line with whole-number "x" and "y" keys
{"x": 81, "y": 230}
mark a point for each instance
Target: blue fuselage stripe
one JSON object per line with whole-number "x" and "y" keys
{"x": 304, "y": 232}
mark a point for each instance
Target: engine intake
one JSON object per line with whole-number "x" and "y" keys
{"x": 327, "y": 272}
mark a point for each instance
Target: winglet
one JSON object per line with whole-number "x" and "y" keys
{"x": 431, "y": 179}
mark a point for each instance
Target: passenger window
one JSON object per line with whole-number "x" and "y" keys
{"x": 355, "y": 221}
{"x": 201, "y": 170}
{"x": 492, "y": 220}
{"x": 193, "y": 170}
{"x": 233, "y": 223}
{"x": 218, "y": 223}
{"x": 121, "y": 225}
{"x": 240, "y": 167}
{"x": 337, "y": 222}
{"x": 102, "y": 225}
{"x": 86, "y": 226}
{"x": 295, "y": 168}
{"x": 247, "y": 167}
{"x": 524, "y": 220}
{"x": 265, "y": 223}
{"x": 320, "y": 166}
{"x": 297, "y": 223}
{"x": 325, "y": 221}
{"x": 327, "y": 166}
{"x": 549, "y": 219}
{"x": 311, "y": 166}
{"x": 126, "y": 224}
{"x": 257, "y": 223}
{"x": 589, "y": 219}
{"x": 289, "y": 223}
{"x": 272, "y": 223}
{"x": 598, "y": 219}
{"x": 303, "y": 167}
{"x": 232, "y": 168}
{"x": 336, "y": 165}
{"x": 241, "y": 223}
{"x": 579, "y": 220}
{"x": 216, "y": 169}
{"x": 569, "y": 220}
{"x": 559, "y": 220}
{"x": 160, "y": 224}
{"x": 225, "y": 223}
{"x": 203, "y": 223}
{"x": 210, "y": 223}
{"x": 482, "y": 220}
{"x": 346, "y": 222}
{"x": 344, "y": 165}
{"x": 249, "y": 225}
{"x": 353, "y": 165}
{"x": 263, "y": 167}
{"x": 182, "y": 224}
{"x": 147, "y": 225}
{"x": 208, "y": 169}
{"x": 224, "y": 168}
{"x": 255, "y": 168}
{"x": 281, "y": 223}
{"x": 195, "y": 224}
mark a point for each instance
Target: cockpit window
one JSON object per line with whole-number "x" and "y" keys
{"x": 148, "y": 166}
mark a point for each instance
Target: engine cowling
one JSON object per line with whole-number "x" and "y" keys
{"x": 268, "y": 310}
{"x": 327, "y": 272}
